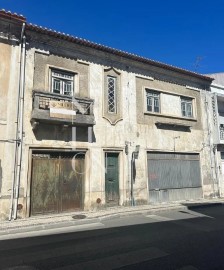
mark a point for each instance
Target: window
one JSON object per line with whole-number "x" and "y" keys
{"x": 222, "y": 155}
{"x": 153, "y": 101}
{"x": 62, "y": 82}
{"x": 111, "y": 87}
{"x": 221, "y": 129}
{"x": 186, "y": 107}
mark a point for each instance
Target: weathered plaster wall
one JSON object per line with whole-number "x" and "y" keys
{"x": 135, "y": 127}
{"x": 9, "y": 86}
{"x": 169, "y": 91}
{"x": 5, "y": 65}
{"x": 155, "y": 139}
{"x": 44, "y": 62}
{"x": 170, "y": 105}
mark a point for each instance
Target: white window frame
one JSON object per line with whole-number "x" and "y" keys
{"x": 62, "y": 77}
{"x": 185, "y": 102}
{"x": 115, "y": 95}
{"x": 154, "y": 96}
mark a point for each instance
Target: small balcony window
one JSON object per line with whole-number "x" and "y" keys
{"x": 62, "y": 82}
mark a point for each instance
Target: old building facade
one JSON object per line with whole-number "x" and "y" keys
{"x": 96, "y": 127}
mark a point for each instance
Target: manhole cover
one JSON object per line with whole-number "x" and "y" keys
{"x": 79, "y": 217}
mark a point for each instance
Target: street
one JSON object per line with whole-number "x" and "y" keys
{"x": 183, "y": 240}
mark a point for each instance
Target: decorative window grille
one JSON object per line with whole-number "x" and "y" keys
{"x": 153, "y": 101}
{"x": 111, "y": 86}
{"x": 186, "y": 107}
{"x": 62, "y": 82}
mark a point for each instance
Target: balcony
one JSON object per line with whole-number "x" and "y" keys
{"x": 55, "y": 108}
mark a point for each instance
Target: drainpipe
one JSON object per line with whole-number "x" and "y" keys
{"x": 132, "y": 179}
{"x": 19, "y": 131}
{"x": 134, "y": 156}
{"x": 128, "y": 167}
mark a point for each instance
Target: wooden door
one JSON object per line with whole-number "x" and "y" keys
{"x": 71, "y": 183}
{"x": 57, "y": 183}
{"x": 112, "y": 179}
{"x": 44, "y": 189}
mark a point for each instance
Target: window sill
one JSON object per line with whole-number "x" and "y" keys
{"x": 173, "y": 125}
{"x": 171, "y": 116}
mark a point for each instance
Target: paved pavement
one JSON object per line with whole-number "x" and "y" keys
{"x": 78, "y": 221}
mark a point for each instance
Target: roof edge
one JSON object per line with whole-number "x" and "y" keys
{"x": 21, "y": 19}
{"x": 12, "y": 16}
{"x": 39, "y": 29}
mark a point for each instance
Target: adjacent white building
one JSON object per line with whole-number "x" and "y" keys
{"x": 217, "y": 126}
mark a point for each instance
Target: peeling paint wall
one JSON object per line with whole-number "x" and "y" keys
{"x": 9, "y": 73}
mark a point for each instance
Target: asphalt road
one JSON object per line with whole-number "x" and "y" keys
{"x": 183, "y": 240}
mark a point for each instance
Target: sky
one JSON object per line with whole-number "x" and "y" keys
{"x": 185, "y": 33}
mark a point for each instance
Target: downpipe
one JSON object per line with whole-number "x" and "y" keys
{"x": 19, "y": 131}
{"x": 217, "y": 171}
{"x": 20, "y": 128}
{"x": 132, "y": 180}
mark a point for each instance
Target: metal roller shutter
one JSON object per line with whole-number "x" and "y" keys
{"x": 174, "y": 176}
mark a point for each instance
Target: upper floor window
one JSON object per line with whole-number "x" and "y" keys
{"x": 111, "y": 89}
{"x": 62, "y": 82}
{"x": 153, "y": 101}
{"x": 221, "y": 129}
{"x": 186, "y": 107}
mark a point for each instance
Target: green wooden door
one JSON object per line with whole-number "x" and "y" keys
{"x": 112, "y": 179}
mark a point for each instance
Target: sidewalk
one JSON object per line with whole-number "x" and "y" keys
{"x": 89, "y": 217}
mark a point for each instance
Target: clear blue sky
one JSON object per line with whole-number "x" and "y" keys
{"x": 176, "y": 32}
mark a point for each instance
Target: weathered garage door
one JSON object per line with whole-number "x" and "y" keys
{"x": 173, "y": 176}
{"x": 57, "y": 182}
